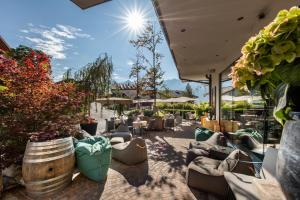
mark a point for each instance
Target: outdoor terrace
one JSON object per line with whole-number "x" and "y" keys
{"x": 161, "y": 177}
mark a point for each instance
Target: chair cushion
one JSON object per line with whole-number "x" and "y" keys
{"x": 206, "y": 165}
{"x": 194, "y": 153}
{"x": 238, "y": 162}
{"x": 116, "y": 140}
{"x": 125, "y": 135}
{"x": 121, "y": 146}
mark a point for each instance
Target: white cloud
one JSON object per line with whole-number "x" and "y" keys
{"x": 75, "y": 53}
{"x": 53, "y": 40}
{"x": 58, "y": 77}
{"x": 66, "y": 68}
{"x": 71, "y": 32}
{"x": 117, "y": 77}
{"x": 129, "y": 62}
{"x": 52, "y": 47}
{"x": 24, "y": 31}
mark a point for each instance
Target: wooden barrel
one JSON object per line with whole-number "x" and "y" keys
{"x": 48, "y": 166}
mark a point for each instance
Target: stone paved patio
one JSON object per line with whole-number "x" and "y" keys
{"x": 161, "y": 177}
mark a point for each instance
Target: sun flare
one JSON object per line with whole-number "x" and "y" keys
{"x": 132, "y": 19}
{"x": 135, "y": 20}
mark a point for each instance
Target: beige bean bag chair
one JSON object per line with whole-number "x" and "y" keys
{"x": 130, "y": 153}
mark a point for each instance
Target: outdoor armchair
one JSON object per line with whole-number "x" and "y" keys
{"x": 122, "y": 131}
{"x": 208, "y": 174}
{"x": 130, "y": 153}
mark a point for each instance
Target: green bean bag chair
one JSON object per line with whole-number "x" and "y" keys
{"x": 249, "y": 132}
{"x": 93, "y": 157}
{"x": 202, "y": 134}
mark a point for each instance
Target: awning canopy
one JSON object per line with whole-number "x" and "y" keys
{"x": 84, "y": 4}
{"x": 206, "y": 36}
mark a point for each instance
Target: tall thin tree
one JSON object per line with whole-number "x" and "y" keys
{"x": 149, "y": 40}
{"x": 135, "y": 72}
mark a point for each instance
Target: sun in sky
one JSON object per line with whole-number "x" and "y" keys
{"x": 133, "y": 19}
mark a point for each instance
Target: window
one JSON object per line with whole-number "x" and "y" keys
{"x": 249, "y": 110}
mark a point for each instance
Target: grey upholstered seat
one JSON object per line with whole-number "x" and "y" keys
{"x": 130, "y": 153}
{"x": 208, "y": 174}
{"x": 122, "y": 131}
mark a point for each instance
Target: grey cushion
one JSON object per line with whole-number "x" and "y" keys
{"x": 238, "y": 162}
{"x": 125, "y": 135}
{"x": 116, "y": 140}
{"x": 208, "y": 174}
{"x": 194, "y": 153}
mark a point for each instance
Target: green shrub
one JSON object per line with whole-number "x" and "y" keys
{"x": 198, "y": 109}
{"x": 133, "y": 112}
{"x": 148, "y": 113}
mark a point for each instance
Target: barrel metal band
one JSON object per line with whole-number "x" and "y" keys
{"x": 48, "y": 159}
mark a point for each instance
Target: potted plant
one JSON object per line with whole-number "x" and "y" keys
{"x": 270, "y": 62}
{"x": 37, "y": 115}
{"x": 89, "y": 124}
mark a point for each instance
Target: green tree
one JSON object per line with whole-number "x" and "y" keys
{"x": 149, "y": 40}
{"x": 136, "y": 69}
{"x": 95, "y": 79}
{"x": 188, "y": 91}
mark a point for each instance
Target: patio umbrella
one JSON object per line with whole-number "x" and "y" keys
{"x": 179, "y": 100}
{"x": 114, "y": 100}
{"x": 241, "y": 98}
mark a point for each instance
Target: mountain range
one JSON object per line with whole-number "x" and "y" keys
{"x": 198, "y": 89}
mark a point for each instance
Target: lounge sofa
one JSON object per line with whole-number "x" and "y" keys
{"x": 208, "y": 174}
{"x": 245, "y": 187}
{"x": 130, "y": 153}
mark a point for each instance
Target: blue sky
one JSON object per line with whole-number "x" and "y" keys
{"x": 75, "y": 37}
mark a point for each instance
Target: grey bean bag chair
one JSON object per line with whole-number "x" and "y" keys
{"x": 208, "y": 174}
{"x": 130, "y": 153}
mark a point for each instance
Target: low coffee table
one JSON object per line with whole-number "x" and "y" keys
{"x": 220, "y": 152}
